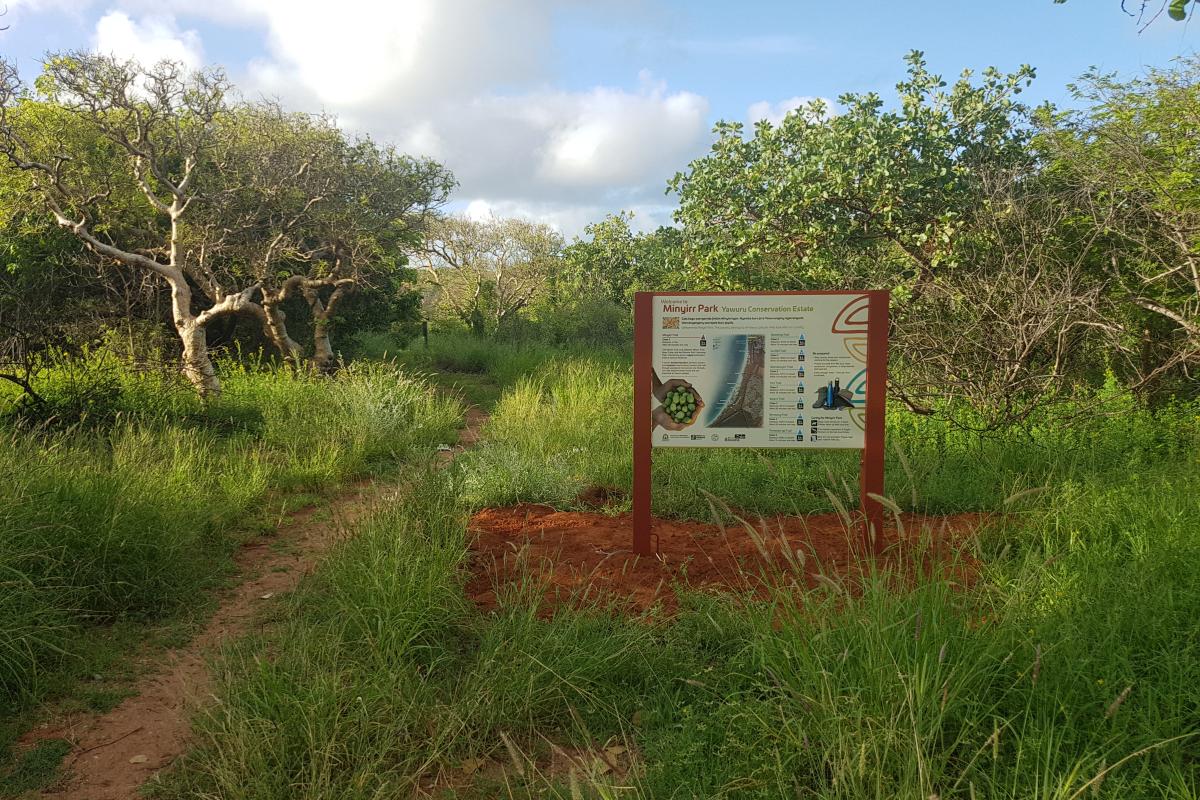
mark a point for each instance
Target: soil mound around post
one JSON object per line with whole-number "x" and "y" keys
{"x": 581, "y": 557}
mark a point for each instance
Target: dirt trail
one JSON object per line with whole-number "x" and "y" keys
{"x": 115, "y": 753}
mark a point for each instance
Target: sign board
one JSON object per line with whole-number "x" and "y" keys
{"x": 766, "y": 369}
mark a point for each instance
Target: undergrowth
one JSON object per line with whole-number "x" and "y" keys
{"x": 1070, "y": 669}
{"x": 129, "y": 510}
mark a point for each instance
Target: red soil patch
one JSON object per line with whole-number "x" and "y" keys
{"x": 588, "y": 555}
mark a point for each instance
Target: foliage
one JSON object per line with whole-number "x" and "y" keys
{"x": 484, "y": 272}
{"x": 231, "y": 205}
{"x": 793, "y": 205}
{"x": 1129, "y": 164}
{"x": 132, "y": 517}
{"x": 615, "y": 262}
{"x": 1068, "y": 670}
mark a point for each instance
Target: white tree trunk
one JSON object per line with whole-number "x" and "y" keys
{"x": 276, "y": 328}
{"x": 324, "y": 359}
{"x": 197, "y": 366}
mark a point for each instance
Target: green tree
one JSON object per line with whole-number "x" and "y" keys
{"x": 614, "y": 261}
{"x": 230, "y": 206}
{"x": 1130, "y": 165}
{"x": 485, "y": 272}
{"x": 867, "y": 196}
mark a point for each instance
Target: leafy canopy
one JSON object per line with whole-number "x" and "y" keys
{"x": 783, "y": 207}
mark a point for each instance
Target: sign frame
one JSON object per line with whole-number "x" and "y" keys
{"x": 871, "y": 468}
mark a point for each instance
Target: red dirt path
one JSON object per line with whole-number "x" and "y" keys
{"x": 588, "y": 555}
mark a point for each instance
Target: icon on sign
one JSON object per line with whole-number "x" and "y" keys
{"x": 801, "y": 356}
{"x": 800, "y": 341}
{"x": 703, "y": 341}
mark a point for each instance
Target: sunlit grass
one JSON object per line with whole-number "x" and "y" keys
{"x": 1070, "y": 669}
{"x": 129, "y": 514}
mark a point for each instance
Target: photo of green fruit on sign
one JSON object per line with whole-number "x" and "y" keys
{"x": 680, "y": 405}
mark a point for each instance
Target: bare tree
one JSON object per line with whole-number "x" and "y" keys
{"x": 1132, "y": 164}
{"x": 159, "y": 125}
{"x": 485, "y": 272}
{"x": 997, "y": 337}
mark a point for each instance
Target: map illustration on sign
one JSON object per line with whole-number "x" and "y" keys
{"x": 741, "y": 404}
{"x": 750, "y": 370}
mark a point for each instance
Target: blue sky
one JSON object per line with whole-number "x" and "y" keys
{"x": 564, "y": 110}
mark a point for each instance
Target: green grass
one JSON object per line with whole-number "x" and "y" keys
{"x": 1071, "y": 670}
{"x": 128, "y": 515}
{"x": 35, "y": 768}
{"x": 568, "y": 426}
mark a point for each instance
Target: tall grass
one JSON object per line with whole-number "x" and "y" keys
{"x": 383, "y": 681}
{"x": 568, "y": 425}
{"x": 1069, "y": 670}
{"x": 129, "y": 512}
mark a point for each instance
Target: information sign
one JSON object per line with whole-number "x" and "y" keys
{"x": 769, "y": 369}
{"x": 745, "y": 370}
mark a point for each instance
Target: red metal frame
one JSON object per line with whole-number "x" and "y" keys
{"x": 643, "y": 366}
{"x": 871, "y": 470}
{"x": 871, "y": 474}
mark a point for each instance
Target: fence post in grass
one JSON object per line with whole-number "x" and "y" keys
{"x": 871, "y": 472}
{"x": 643, "y": 346}
{"x": 425, "y": 332}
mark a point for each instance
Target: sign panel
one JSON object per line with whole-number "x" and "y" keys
{"x": 759, "y": 370}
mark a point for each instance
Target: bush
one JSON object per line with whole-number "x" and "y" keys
{"x": 131, "y": 519}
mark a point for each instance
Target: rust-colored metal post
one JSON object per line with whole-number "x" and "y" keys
{"x": 643, "y": 366}
{"x": 871, "y": 475}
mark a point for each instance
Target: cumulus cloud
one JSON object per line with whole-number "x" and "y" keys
{"x": 467, "y": 82}
{"x": 568, "y": 219}
{"x": 609, "y": 137}
{"x": 775, "y": 112}
{"x": 148, "y": 40}
{"x": 607, "y": 143}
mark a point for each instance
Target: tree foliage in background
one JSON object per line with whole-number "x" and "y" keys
{"x": 105, "y": 132}
{"x": 1016, "y": 324}
{"x": 484, "y": 272}
{"x": 1130, "y": 164}
{"x": 821, "y": 199}
{"x": 614, "y": 261}
{"x": 896, "y": 197}
{"x": 232, "y": 206}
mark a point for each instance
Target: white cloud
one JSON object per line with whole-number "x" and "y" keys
{"x": 775, "y": 112}
{"x": 356, "y": 54}
{"x": 609, "y": 137}
{"x": 567, "y": 219}
{"x": 606, "y": 145}
{"x": 149, "y": 40}
{"x": 467, "y": 82}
